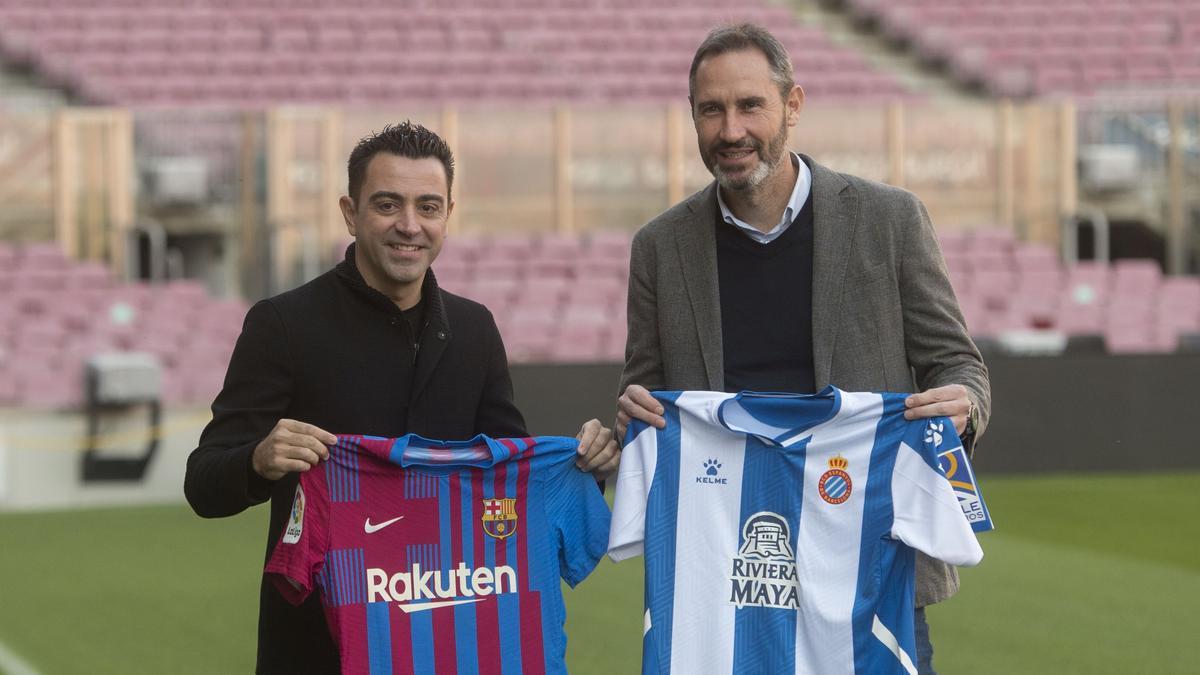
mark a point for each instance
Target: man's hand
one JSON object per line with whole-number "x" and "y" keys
{"x": 291, "y": 446}
{"x": 598, "y": 451}
{"x": 637, "y": 404}
{"x": 950, "y": 401}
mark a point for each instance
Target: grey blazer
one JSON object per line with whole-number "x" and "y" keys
{"x": 884, "y": 314}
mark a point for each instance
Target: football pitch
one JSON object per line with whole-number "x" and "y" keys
{"x": 1096, "y": 574}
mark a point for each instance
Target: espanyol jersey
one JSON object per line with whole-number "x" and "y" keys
{"x": 443, "y": 557}
{"x": 778, "y": 530}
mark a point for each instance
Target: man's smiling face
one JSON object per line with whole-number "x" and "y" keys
{"x": 398, "y": 220}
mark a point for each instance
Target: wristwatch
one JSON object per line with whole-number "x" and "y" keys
{"x": 972, "y": 418}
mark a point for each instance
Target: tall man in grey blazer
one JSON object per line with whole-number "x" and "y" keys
{"x": 783, "y": 275}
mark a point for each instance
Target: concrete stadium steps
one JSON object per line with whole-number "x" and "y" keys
{"x": 845, "y": 29}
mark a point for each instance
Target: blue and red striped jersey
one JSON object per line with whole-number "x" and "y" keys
{"x": 443, "y": 556}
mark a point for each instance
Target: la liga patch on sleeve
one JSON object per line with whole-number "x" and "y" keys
{"x": 295, "y": 523}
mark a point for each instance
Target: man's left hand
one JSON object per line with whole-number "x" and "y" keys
{"x": 598, "y": 451}
{"x": 949, "y": 401}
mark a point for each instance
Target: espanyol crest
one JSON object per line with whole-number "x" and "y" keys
{"x": 835, "y": 485}
{"x": 499, "y": 517}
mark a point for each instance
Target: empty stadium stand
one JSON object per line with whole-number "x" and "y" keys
{"x": 556, "y": 298}
{"x": 367, "y": 52}
{"x": 1034, "y": 48}
{"x": 55, "y": 313}
{"x": 1006, "y": 288}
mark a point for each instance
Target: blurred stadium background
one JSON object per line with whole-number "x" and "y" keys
{"x": 163, "y": 163}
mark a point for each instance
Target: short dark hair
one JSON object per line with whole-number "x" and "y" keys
{"x": 406, "y": 139}
{"x": 736, "y": 37}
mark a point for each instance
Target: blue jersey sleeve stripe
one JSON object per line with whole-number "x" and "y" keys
{"x": 662, "y": 508}
{"x": 379, "y": 638}
{"x": 509, "y": 604}
{"x": 878, "y": 513}
{"x": 764, "y": 638}
{"x": 464, "y": 615}
{"x": 421, "y": 640}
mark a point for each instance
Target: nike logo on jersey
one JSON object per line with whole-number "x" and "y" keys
{"x": 369, "y": 528}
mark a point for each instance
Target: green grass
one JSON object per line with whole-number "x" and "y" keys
{"x": 1089, "y": 575}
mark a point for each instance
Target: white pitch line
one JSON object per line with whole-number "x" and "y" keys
{"x": 11, "y": 664}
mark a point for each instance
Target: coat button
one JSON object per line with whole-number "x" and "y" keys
{"x": 395, "y": 321}
{"x": 441, "y": 335}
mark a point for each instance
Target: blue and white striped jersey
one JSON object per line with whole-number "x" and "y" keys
{"x": 779, "y": 530}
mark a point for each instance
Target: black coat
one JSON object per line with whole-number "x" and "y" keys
{"x": 338, "y": 354}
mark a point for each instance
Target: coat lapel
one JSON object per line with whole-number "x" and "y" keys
{"x": 697, "y": 245}
{"x": 835, "y": 215}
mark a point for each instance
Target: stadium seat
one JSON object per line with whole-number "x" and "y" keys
{"x": 1023, "y": 49}
{"x": 267, "y": 53}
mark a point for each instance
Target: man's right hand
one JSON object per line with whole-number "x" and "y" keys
{"x": 637, "y": 404}
{"x": 291, "y": 446}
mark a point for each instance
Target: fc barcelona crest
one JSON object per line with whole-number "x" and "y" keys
{"x": 499, "y": 517}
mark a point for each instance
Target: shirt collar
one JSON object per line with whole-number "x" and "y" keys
{"x": 800, "y": 193}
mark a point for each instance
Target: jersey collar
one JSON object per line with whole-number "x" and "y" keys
{"x": 776, "y": 418}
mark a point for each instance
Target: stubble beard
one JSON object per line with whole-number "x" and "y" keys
{"x": 767, "y": 163}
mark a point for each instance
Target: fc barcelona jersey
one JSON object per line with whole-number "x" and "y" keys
{"x": 443, "y": 557}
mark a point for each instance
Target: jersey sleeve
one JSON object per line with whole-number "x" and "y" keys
{"x": 300, "y": 552}
{"x": 927, "y": 515}
{"x": 636, "y": 474}
{"x": 955, "y": 463}
{"x": 580, "y": 517}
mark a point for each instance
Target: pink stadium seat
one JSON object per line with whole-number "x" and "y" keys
{"x": 953, "y": 243}
{"x": 597, "y": 291}
{"x": 592, "y": 317}
{"x": 1180, "y": 293}
{"x": 560, "y": 247}
{"x": 577, "y": 351}
{"x": 1023, "y": 48}
{"x": 511, "y": 247}
{"x": 1135, "y": 277}
{"x": 1035, "y": 258}
{"x": 496, "y": 297}
{"x": 1080, "y": 319}
{"x": 542, "y": 292}
{"x": 41, "y": 256}
{"x": 453, "y": 267}
{"x": 458, "y": 250}
{"x": 9, "y": 391}
{"x": 185, "y": 52}
{"x": 595, "y": 268}
{"x": 1179, "y": 322}
{"x": 497, "y": 268}
{"x": 976, "y": 314}
{"x": 1138, "y": 340}
{"x": 1036, "y": 303}
{"x": 994, "y": 286}
{"x": 88, "y": 275}
{"x": 988, "y": 260}
{"x": 559, "y": 270}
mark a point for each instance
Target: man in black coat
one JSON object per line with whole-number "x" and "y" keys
{"x": 371, "y": 347}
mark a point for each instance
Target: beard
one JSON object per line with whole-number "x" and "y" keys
{"x": 767, "y": 161}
